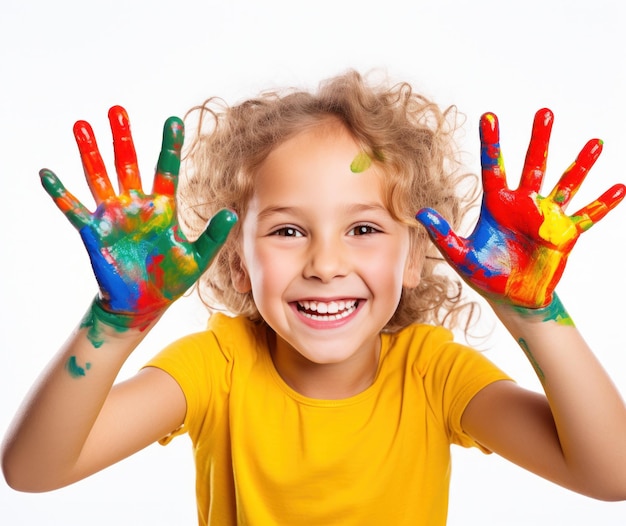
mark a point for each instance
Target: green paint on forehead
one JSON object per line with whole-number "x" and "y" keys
{"x": 360, "y": 163}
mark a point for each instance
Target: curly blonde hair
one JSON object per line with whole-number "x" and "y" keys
{"x": 408, "y": 137}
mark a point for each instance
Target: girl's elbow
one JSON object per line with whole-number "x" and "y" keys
{"x": 18, "y": 482}
{"x": 14, "y": 477}
{"x": 23, "y": 478}
{"x": 614, "y": 495}
{"x": 607, "y": 490}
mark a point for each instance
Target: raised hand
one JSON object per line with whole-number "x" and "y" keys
{"x": 140, "y": 256}
{"x": 520, "y": 245}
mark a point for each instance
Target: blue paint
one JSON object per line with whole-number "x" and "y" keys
{"x": 122, "y": 296}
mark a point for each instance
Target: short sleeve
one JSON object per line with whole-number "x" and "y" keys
{"x": 201, "y": 369}
{"x": 466, "y": 371}
{"x": 452, "y": 374}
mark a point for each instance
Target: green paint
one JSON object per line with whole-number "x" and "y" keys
{"x": 552, "y": 312}
{"x": 96, "y": 316}
{"x": 522, "y": 343}
{"x": 51, "y": 183}
{"x": 360, "y": 163}
{"x": 93, "y": 332}
{"x": 215, "y": 235}
{"x": 556, "y": 312}
{"x": 76, "y": 370}
{"x": 173, "y": 136}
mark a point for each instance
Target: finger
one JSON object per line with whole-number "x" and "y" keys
{"x": 573, "y": 177}
{"x": 124, "y": 150}
{"x": 93, "y": 165}
{"x": 168, "y": 166}
{"x": 589, "y": 215}
{"x": 449, "y": 244}
{"x": 494, "y": 176}
{"x": 73, "y": 209}
{"x": 537, "y": 153}
{"x": 215, "y": 235}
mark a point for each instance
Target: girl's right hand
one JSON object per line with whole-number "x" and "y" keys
{"x": 141, "y": 258}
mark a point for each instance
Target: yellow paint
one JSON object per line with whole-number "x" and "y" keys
{"x": 556, "y": 228}
{"x": 360, "y": 163}
{"x": 530, "y": 289}
{"x": 595, "y": 209}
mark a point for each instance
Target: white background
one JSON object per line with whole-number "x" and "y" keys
{"x": 66, "y": 60}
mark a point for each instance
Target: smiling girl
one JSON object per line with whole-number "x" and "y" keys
{"x": 331, "y": 392}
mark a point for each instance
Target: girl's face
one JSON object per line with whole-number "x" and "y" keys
{"x": 323, "y": 257}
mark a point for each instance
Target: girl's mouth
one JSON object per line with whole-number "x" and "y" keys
{"x": 327, "y": 311}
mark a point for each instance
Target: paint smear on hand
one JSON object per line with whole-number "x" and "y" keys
{"x": 556, "y": 228}
{"x": 360, "y": 163}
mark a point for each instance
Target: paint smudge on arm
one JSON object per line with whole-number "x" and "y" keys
{"x": 98, "y": 321}
{"x": 554, "y": 311}
{"x": 75, "y": 370}
{"x": 522, "y": 343}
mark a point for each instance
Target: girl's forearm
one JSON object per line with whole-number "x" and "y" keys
{"x": 46, "y": 438}
{"x": 588, "y": 410}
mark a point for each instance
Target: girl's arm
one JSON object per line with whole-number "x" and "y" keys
{"x": 574, "y": 435}
{"x": 75, "y": 422}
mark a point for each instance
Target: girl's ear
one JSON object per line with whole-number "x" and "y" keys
{"x": 413, "y": 266}
{"x": 238, "y": 273}
{"x": 412, "y": 272}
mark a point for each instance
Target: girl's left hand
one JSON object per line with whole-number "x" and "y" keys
{"x": 520, "y": 245}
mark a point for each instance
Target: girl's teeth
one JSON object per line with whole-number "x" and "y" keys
{"x": 327, "y": 311}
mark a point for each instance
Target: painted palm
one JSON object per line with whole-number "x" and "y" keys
{"x": 140, "y": 256}
{"x": 520, "y": 245}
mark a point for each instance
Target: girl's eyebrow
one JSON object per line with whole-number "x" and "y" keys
{"x": 350, "y": 209}
{"x": 368, "y": 207}
{"x": 273, "y": 210}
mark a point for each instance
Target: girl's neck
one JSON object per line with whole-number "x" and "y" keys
{"x": 328, "y": 381}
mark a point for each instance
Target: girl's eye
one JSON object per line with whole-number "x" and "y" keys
{"x": 287, "y": 231}
{"x": 361, "y": 230}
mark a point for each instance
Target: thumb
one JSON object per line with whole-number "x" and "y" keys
{"x": 445, "y": 239}
{"x": 214, "y": 236}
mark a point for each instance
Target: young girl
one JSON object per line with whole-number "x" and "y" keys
{"x": 333, "y": 392}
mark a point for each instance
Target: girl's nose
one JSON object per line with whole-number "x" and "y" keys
{"x": 327, "y": 259}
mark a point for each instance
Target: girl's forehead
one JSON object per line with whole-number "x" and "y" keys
{"x": 321, "y": 161}
{"x": 324, "y": 143}
{"x": 336, "y": 194}
{"x": 326, "y": 129}
{"x": 316, "y": 151}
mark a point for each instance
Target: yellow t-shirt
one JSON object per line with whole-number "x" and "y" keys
{"x": 266, "y": 455}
